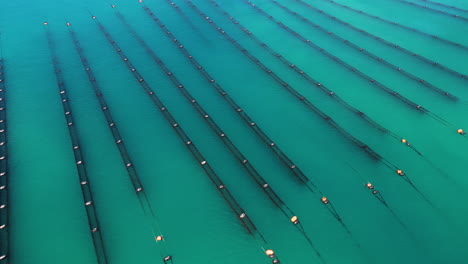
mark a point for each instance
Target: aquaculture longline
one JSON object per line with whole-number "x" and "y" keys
{"x": 296, "y": 171}
{"x": 374, "y": 82}
{"x": 93, "y": 221}
{"x": 333, "y": 95}
{"x": 291, "y": 90}
{"x": 386, "y": 42}
{"x": 314, "y": 82}
{"x": 222, "y": 189}
{"x": 126, "y": 159}
{"x": 236, "y": 107}
{"x": 4, "y": 170}
{"x": 367, "y": 53}
{"x": 324, "y": 199}
{"x": 446, "y": 41}
{"x": 444, "y": 5}
{"x": 464, "y": 19}
{"x": 373, "y": 154}
{"x": 253, "y": 173}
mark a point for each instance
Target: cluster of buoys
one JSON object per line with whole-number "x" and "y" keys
{"x": 271, "y": 254}
{"x": 386, "y": 42}
{"x": 197, "y": 155}
{"x": 433, "y": 10}
{"x": 4, "y": 208}
{"x": 78, "y": 155}
{"x": 446, "y": 41}
{"x": 367, "y": 53}
{"x": 251, "y": 170}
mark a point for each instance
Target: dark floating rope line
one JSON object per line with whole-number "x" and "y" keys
{"x": 398, "y": 171}
{"x": 374, "y": 82}
{"x": 369, "y": 54}
{"x": 464, "y": 19}
{"x": 4, "y": 170}
{"x": 276, "y": 150}
{"x": 314, "y": 82}
{"x": 331, "y": 93}
{"x": 279, "y": 80}
{"x": 378, "y": 195}
{"x": 414, "y": 30}
{"x": 236, "y": 107}
{"x": 444, "y": 5}
{"x": 253, "y": 173}
{"x": 297, "y": 172}
{"x": 78, "y": 155}
{"x": 131, "y": 170}
{"x": 305, "y": 101}
{"x": 227, "y": 196}
{"x": 324, "y": 199}
{"x": 386, "y": 42}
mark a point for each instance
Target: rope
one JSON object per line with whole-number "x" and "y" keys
{"x": 464, "y": 19}
{"x": 222, "y": 189}
{"x": 78, "y": 155}
{"x": 414, "y": 30}
{"x": 316, "y": 84}
{"x": 145, "y": 204}
{"x": 369, "y": 54}
{"x": 444, "y": 5}
{"x": 352, "y": 69}
{"x": 386, "y": 42}
{"x": 253, "y": 173}
{"x": 4, "y": 170}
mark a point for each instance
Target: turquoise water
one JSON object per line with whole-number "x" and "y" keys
{"x": 47, "y": 216}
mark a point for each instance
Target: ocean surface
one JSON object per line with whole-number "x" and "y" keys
{"x": 344, "y": 93}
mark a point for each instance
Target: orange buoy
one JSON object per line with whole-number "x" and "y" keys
{"x": 269, "y": 252}
{"x": 400, "y": 172}
{"x": 369, "y": 186}
{"x": 294, "y": 219}
{"x": 460, "y": 131}
{"x": 45, "y": 23}
{"x": 325, "y": 200}
{"x": 159, "y": 238}
{"x": 403, "y": 140}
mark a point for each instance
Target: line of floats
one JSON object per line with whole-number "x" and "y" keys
{"x": 296, "y": 172}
